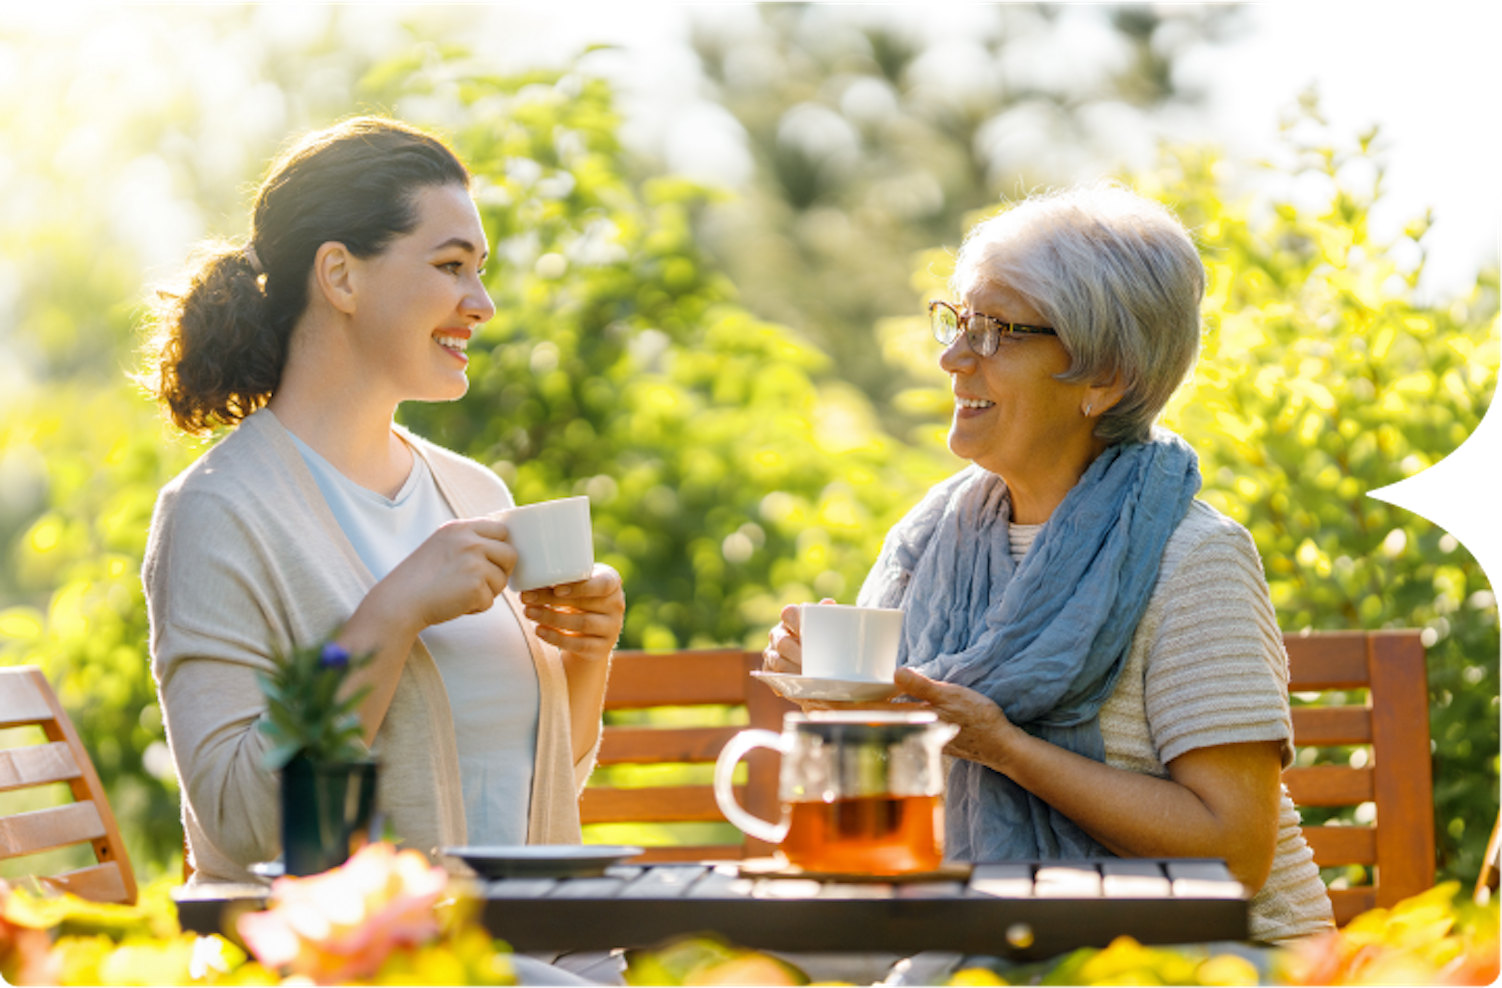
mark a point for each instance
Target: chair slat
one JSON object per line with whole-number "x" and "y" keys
{"x": 1342, "y": 845}
{"x": 641, "y": 745}
{"x": 1404, "y": 782}
{"x": 26, "y": 697}
{"x": 1330, "y": 785}
{"x": 1350, "y": 903}
{"x": 101, "y": 883}
{"x": 37, "y": 765}
{"x": 42, "y": 830}
{"x": 21, "y": 702}
{"x": 657, "y": 804}
{"x": 642, "y": 679}
{"x": 1316, "y": 727}
{"x": 1330, "y": 660}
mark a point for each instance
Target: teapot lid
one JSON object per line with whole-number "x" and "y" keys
{"x": 886, "y": 726}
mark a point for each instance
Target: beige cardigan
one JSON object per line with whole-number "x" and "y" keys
{"x": 244, "y": 558}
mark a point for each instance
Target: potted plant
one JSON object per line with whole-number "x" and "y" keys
{"x": 328, "y": 778}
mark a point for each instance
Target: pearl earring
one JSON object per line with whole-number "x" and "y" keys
{"x": 1088, "y": 405}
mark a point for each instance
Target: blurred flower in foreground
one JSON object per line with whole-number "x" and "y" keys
{"x": 341, "y": 925}
{"x": 1435, "y": 938}
{"x": 23, "y": 950}
{"x": 707, "y": 961}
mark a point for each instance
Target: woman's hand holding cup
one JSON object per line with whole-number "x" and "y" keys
{"x": 784, "y": 651}
{"x": 583, "y": 618}
{"x": 460, "y": 569}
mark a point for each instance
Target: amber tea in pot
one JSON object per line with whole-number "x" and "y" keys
{"x": 862, "y": 791}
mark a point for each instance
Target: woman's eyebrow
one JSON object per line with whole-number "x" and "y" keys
{"x": 463, "y": 245}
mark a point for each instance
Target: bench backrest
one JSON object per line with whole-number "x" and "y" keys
{"x": 712, "y": 677}
{"x": 27, "y": 700}
{"x": 1391, "y": 729}
{"x": 1391, "y": 725}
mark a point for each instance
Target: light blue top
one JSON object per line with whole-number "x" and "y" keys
{"x": 486, "y": 665}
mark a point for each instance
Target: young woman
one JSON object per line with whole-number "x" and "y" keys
{"x": 318, "y": 517}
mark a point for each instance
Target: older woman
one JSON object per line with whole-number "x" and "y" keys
{"x": 1104, "y": 641}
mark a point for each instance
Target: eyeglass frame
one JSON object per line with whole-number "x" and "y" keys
{"x": 986, "y": 340}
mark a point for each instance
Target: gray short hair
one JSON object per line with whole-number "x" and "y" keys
{"x": 1116, "y": 275}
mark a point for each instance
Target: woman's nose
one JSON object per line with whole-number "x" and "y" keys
{"x": 957, "y": 357}
{"x": 478, "y": 303}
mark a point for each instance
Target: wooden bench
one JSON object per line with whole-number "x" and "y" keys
{"x": 1392, "y": 725}
{"x": 27, "y": 700}
{"x": 712, "y": 677}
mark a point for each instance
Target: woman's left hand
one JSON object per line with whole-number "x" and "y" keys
{"x": 583, "y": 618}
{"x": 984, "y": 729}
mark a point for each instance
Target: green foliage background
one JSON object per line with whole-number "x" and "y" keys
{"x": 731, "y": 465}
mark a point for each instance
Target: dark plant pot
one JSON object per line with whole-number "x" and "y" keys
{"x": 326, "y": 811}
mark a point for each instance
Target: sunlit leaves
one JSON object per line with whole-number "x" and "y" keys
{"x": 1326, "y": 378}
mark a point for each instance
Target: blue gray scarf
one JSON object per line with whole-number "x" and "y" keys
{"x": 1045, "y": 638}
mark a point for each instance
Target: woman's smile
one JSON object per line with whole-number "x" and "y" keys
{"x": 971, "y": 407}
{"x": 455, "y": 341}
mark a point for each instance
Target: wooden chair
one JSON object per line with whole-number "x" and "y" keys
{"x": 640, "y": 680}
{"x": 1490, "y": 877}
{"x": 27, "y": 699}
{"x": 1393, "y": 725}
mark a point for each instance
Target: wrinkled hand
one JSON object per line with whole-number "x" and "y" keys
{"x": 458, "y": 570}
{"x": 984, "y": 729}
{"x": 582, "y": 618}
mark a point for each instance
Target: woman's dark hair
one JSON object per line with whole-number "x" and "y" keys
{"x": 220, "y": 343}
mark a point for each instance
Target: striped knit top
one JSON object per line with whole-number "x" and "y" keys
{"x": 1207, "y": 667}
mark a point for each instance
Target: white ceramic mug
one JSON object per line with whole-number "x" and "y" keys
{"x": 553, "y": 540}
{"x": 844, "y": 642}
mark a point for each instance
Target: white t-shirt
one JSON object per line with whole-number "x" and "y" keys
{"x": 486, "y": 665}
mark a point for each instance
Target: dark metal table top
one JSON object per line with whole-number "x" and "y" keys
{"x": 1018, "y": 909}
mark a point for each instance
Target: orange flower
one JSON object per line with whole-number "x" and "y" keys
{"x": 25, "y": 952}
{"x": 341, "y": 925}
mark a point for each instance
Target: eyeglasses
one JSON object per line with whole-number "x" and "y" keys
{"x": 982, "y": 332}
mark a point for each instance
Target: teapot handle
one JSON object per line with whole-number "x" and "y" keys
{"x": 724, "y": 792}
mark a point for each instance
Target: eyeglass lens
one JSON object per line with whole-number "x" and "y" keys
{"x": 945, "y": 324}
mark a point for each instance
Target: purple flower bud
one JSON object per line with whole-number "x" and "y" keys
{"x": 333, "y": 656}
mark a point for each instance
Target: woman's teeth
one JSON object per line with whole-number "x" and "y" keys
{"x": 455, "y": 343}
{"x": 973, "y": 402}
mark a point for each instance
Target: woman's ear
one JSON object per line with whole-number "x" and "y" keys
{"x": 1101, "y": 398}
{"x": 333, "y": 271}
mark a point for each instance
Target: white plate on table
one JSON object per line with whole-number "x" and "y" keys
{"x": 542, "y": 860}
{"x": 836, "y": 690}
{"x": 268, "y": 869}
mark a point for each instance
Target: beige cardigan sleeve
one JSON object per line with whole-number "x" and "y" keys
{"x": 209, "y": 633}
{"x": 244, "y": 560}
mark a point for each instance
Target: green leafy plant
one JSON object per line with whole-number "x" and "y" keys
{"x": 305, "y": 714}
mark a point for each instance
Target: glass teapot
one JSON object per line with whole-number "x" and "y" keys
{"x": 862, "y": 791}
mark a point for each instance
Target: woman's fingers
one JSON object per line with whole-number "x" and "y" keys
{"x": 498, "y": 552}
{"x": 573, "y": 622}
{"x": 584, "y": 617}
{"x": 600, "y": 586}
{"x": 919, "y": 686}
{"x": 984, "y": 728}
{"x": 784, "y": 652}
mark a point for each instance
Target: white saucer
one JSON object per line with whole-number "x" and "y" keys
{"x": 839, "y": 690}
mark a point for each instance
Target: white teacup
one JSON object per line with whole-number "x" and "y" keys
{"x": 844, "y": 642}
{"x": 553, "y": 540}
